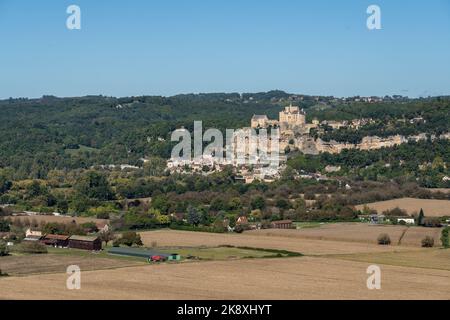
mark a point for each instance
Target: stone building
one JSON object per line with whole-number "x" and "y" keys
{"x": 292, "y": 117}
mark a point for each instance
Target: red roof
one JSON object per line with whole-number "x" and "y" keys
{"x": 56, "y": 237}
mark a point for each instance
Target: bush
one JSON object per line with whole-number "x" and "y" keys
{"x": 445, "y": 237}
{"x": 2, "y": 274}
{"x": 384, "y": 239}
{"x": 31, "y": 248}
{"x": 239, "y": 229}
{"x": 130, "y": 238}
{"x": 428, "y": 242}
{"x": 103, "y": 215}
{"x": 3, "y": 249}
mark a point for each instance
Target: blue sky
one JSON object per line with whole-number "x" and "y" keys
{"x": 151, "y": 47}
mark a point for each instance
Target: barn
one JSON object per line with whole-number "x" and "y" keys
{"x": 283, "y": 224}
{"x": 85, "y": 243}
{"x": 56, "y": 240}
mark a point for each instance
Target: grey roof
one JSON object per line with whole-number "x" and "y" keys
{"x": 136, "y": 252}
{"x": 83, "y": 238}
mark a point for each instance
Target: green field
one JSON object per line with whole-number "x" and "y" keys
{"x": 220, "y": 253}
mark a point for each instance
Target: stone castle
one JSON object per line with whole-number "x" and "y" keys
{"x": 295, "y": 133}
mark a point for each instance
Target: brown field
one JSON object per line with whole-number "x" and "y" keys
{"x": 431, "y": 207}
{"x": 331, "y": 270}
{"x": 78, "y": 220}
{"x": 357, "y": 232}
{"x": 443, "y": 190}
{"x": 429, "y": 258}
{"x": 56, "y": 263}
{"x": 291, "y": 278}
{"x": 259, "y": 240}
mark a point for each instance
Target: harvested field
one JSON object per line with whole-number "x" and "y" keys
{"x": 56, "y": 263}
{"x": 78, "y": 220}
{"x": 293, "y": 278}
{"x": 426, "y": 258}
{"x": 431, "y": 207}
{"x": 435, "y": 190}
{"x": 357, "y": 232}
{"x": 256, "y": 239}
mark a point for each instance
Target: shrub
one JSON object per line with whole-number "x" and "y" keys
{"x": 31, "y": 248}
{"x": 103, "y": 215}
{"x": 3, "y": 249}
{"x": 384, "y": 239}
{"x": 445, "y": 237}
{"x": 239, "y": 229}
{"x": 130, "y": 238}
{"x": 428, "y": 242}
{"x": 2, "y": 274}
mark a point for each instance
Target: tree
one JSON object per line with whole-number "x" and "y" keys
{"x": 94, "y": 185}
{"x": 421, "y": 218}
{"x": 445, "y": 239}
{"x": 4, "y": 225}
{"x": 130, "y": 238}
{"x": 5, "y": 184}
{"x": 107, "y": 236}
{"x": 258, "y": 203}
{"x": 3, "y": 249}
{"x": 62, "y": 206}
{"x": 193, "y": 216}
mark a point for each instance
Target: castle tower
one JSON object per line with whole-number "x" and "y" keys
{"x": 292, "y": 116}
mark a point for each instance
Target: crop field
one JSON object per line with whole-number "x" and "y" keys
{"x": 48, "y": 219}
{"x": 286, "y": 278}
{"x": 357, "y": 232}
{"x": 56, "y": 263}
{"x": 431, "y": 207}
{"x": 170, "y": 238}
{"x": 429, "y": 258}
{"x": 329, "y": 270}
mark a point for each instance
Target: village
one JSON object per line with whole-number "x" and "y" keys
{"x": 294, "y": 134}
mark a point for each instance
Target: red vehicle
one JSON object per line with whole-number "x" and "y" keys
{"x": 157, "y": 258}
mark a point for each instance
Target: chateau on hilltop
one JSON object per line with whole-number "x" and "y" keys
{"x": 295, "y": 133}
{"x": 290, "y": 117}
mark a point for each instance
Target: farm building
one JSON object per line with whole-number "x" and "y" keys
{"x": 406, "y": 220}
{"x": 34, "y": 233}
{"x": 56, "y": 240}
{"x": 85, "y": 243}
{"x": 135, "y": 252}
{"x": 32, "y": 238}
{"x": 283, "y": 224}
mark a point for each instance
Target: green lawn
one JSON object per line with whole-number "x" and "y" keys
{"x": 225, "y": 253}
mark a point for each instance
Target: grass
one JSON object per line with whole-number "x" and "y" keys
{"x": 307, "y": 225}
{"x": 228, "y": 253}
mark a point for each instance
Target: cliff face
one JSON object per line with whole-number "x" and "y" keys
{"x": 309, "y": 145}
